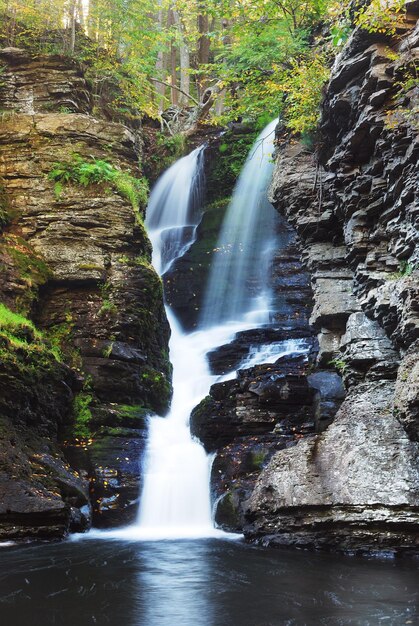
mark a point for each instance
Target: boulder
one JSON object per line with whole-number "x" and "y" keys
{"x": 353, "y": 487}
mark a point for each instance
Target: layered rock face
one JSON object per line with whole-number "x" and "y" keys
{"x": 76, "y": 260}
{"x": 355, "y": 486}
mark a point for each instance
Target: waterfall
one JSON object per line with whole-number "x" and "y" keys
{"x": 173, "y": 210}
{"x": 175, "y": 501}
{"x": 238, "y": 284}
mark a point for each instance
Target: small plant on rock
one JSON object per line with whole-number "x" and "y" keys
{"x": 340, "y": 364}
{"x": 96, "y": 172}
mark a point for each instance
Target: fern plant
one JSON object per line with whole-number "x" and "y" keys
{"x": 96, "y": 172}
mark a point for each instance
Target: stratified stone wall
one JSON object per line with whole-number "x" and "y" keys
{"x": 356, "y": 210}
{"x": 78, "y": 263}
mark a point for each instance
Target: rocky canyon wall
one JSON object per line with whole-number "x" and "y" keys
{"x": 355, "y": 207}
{"x": 77, "y": 263}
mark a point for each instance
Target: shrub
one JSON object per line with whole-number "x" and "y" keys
{"x": 380, "y": 16}
{"x": 303, "y": 88}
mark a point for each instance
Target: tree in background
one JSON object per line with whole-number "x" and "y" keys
{"x": 228, "y": 59}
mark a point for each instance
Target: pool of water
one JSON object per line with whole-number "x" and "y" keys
{"x": 206, "y": 582}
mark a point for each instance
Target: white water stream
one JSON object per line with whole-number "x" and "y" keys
{"x": 175, "y": 501}
{"x": 238, "y": 282}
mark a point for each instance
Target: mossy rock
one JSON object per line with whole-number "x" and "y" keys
{"x": 228, "y": 512}
{"x": 123, "y": 416}
{"x": 4, "y": 208}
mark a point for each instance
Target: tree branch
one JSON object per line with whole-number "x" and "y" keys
{"x": 161, "y": 82}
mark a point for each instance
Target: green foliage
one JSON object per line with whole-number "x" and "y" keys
{"x": 96, "y": 172}
{"x": 107, "y": 308}
{"x": 173, "y": 145}
{"x": 380, "y": 16}
{"x": 303, "y": 85}
{"x": 340, "y": 364}
{"x": 233, "y": 152}
{"x": 406, "y": 99}
{"x": 339, "y": 33}
{"x": 167, "y": 150}
{"x": 406, "y": 269}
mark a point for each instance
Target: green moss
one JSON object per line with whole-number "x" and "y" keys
{"x": 157, "y": 388}
{"x": 168, "y": 149}
{"x": 18, "y": 325}
{"x": 22, "y": 344}
{"x": 82, "y": 415}
{"x": 61, "y": 339}
{"x": 29, "y": 264}
{"x": 106, "y": 352}
{"x": 233, "y": 152}
{"x": 142, "y": 260}
{"x": 108, "y": 307}
{"x": 29, "y": 267}
{"x": 4, "y": 208}
{"x": 256, "y": 460}
{"x": 119, "y": 416}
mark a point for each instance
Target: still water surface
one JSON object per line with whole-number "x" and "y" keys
{"x": 208, "y": 582}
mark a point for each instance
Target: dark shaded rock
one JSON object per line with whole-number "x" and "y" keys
{"x": 228, "y": 357}
{"x": 185, "y": 282}
{"x": 39, "y": 492}
{"x": 261, "y": 399}
{"x": 355, "y": 209}
{"x": 235, "y": 470}
{"x": 327, "y": 401}
{"x": 112, "y": 464}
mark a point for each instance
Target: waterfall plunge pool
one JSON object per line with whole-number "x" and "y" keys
{"x": 207, "y": 582}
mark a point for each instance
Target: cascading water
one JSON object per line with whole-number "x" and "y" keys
{"x": 175, "y": 500}
{"x": 238, "y": 278}
{"x": 173, "y": 210}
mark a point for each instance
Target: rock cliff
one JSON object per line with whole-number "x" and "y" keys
{"x": 355, "y": 208}
{"x": 75, "y": 260}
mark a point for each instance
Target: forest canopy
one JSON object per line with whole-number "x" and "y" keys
{"x": 236, "y": 59}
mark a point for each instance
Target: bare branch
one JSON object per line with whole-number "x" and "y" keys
{"x": 161, "y": 82}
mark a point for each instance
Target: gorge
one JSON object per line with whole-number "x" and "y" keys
{"x": 230, "y": 365}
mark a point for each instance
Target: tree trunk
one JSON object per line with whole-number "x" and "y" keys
{"x": 72, "y": 17}
{"x": 174, "y": 94}
{"x": 161, "y": 63}
{"x": 185, "y": 79}
{"x": 203, "y": 48}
